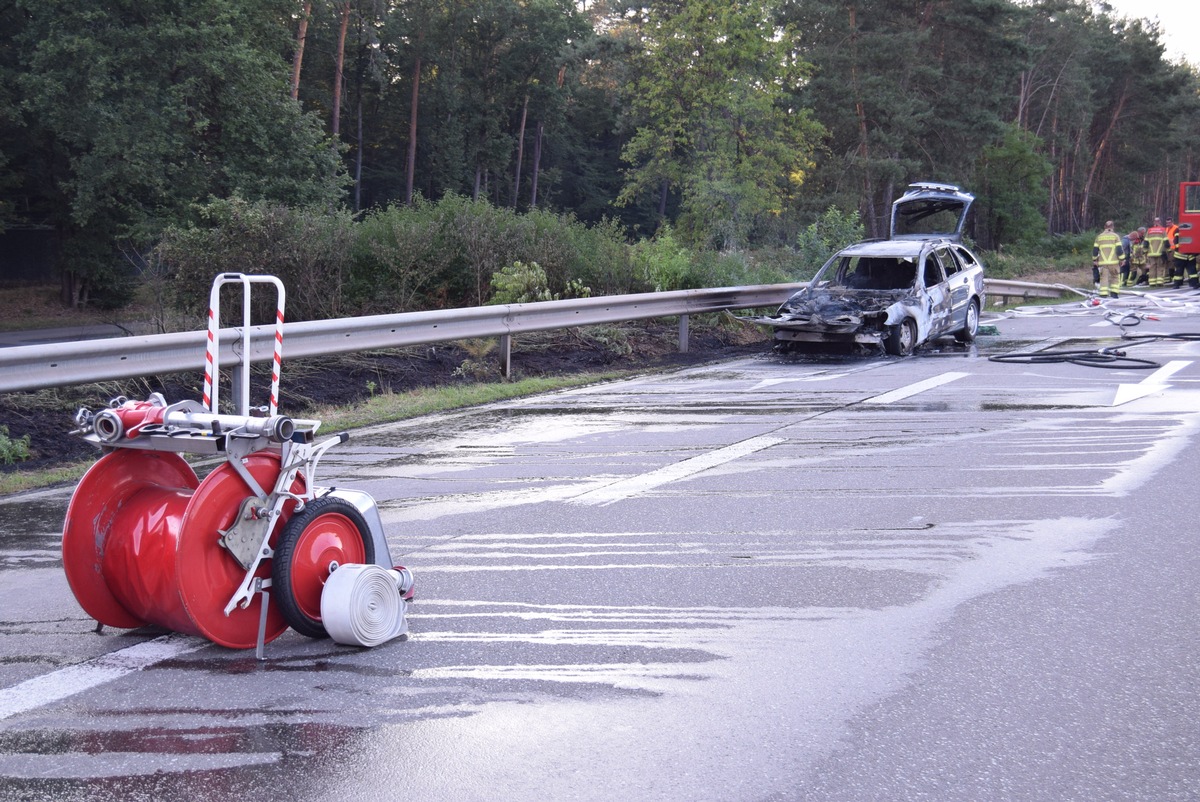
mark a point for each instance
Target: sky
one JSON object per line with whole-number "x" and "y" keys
{"x": 1178, "y": 19}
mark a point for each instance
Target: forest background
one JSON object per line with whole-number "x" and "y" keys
{"x": 391, "y": 155}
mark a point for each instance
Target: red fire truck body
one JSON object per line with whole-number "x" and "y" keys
{"x": 1189, "y": 217}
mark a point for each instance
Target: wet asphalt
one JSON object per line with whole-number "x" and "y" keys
{"x": 775, "y": 578}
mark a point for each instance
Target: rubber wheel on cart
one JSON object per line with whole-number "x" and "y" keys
{"x": 327, "y": 531}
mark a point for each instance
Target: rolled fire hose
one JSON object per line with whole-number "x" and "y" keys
{"x": 363, "y": 605}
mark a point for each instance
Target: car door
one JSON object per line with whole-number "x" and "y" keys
{"x": 937, "y": 296}
{"x": 958, "y": 286}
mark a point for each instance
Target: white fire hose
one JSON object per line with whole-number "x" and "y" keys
{"x": 363, "y": 605}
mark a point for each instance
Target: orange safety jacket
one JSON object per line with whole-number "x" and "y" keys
{"x": 1156, "y": 238}
{"x": 1172, "y": 233}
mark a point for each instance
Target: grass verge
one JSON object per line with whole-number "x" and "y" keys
{"x": 387, "y": 407}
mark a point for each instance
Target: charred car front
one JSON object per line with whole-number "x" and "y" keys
{"x": 897, "y": 293}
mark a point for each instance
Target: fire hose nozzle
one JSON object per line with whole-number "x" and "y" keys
{"x": 108, "y": 426}
{"x": 280, "y": 428}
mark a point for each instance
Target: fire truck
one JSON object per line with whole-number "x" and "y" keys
{"x": 1189, "y": 217}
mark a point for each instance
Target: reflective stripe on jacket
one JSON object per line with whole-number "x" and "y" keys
{"x": 1107, "y": 250}
{"x": 1156, "y": 237}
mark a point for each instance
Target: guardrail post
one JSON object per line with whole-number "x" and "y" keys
{"x": 238, "y": 388}
{"x": 505, "y": 355}
{"x": 683, "y": 334}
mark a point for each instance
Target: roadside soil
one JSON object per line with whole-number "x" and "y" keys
{"x": 47, "y": 416}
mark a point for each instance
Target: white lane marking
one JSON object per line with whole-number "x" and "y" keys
{"x": 635, "y": 485}
{"x": 814, "y": 377}
{"x": 64, "y": 682}
{"x": 772, "y": 382}
{"x": 913, "y": 389}
{"x": 1156, "y": 382}
{"x": 1166, "y": 371}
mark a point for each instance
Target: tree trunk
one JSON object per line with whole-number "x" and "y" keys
{"x": 537, "y": 144}
{"x": 339, "y": 64}
{"x": 537, "y": 165}
{"x": 411, "y": 167}
{"x": 1101, "y": 154}
{"x": 520, "y": 153}
{"x": 358, "y": 157}
{"x": 863, "y": 151}
{"x": 298, "y": 56}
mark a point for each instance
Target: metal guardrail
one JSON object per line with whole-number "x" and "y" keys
{"x": 33, "y": 367}
{"x": 1006, "y": 289}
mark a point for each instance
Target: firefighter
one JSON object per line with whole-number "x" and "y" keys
{"x": 1136, "y": 259}
{"x": 1107, "y": 256}
{"x": 1127, "y": 250}
{"x": 1185, "y": 263}
{"x": 1156, "y": 253}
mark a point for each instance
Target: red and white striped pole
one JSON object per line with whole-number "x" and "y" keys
{"x": 212, "y": 356}
{"x": 278, "y": 357}
{"x": 212, "y": 359}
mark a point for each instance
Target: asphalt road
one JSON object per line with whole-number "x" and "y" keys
{"x": 932, "y": 578}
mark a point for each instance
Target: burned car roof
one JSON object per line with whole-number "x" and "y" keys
{"x": 902, "y": 248}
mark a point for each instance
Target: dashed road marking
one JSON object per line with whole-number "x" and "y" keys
{"x": 914, "y": 389}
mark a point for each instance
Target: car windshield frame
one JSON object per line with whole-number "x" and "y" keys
{"x": 871, "y": 272}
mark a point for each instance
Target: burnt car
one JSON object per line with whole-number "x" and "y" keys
{"x": 898, "y": 293}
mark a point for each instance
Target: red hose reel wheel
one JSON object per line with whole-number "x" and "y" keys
{"x": 327, "y": 531}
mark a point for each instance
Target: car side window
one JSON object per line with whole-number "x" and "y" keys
{"x": 933, "y": 271}
{"x": 965, "y": 257}
{"x": 949, "y": 262}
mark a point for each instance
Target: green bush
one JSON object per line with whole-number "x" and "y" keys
{"x": 446, "y": 253}
{"x": 834, "y": 230}
{"x": 452, "y": 252}
{"x": 13, "y": 450}
{"x": 309, "y": 250}
{"x": 665, "y": 264}
{"x": 520, "y": 283}
{"x": 603, "y": 260}
{"x": 400, "y": 259}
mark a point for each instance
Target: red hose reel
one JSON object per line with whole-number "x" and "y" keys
{"x": 140, "y": 546}
{"x": 147, "y": 542}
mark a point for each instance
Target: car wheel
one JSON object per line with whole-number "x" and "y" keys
{"x": 901, "y": 339}
{"x": 967, "y": 333}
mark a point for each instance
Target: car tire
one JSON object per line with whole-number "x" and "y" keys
{"x": 902, "y": 338}
{"x": 967, "y": 333}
